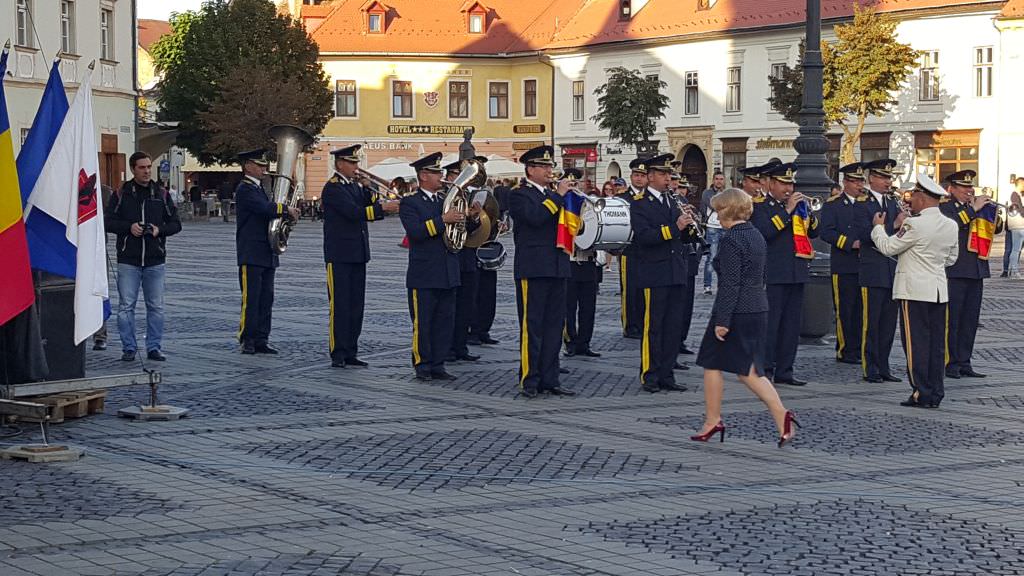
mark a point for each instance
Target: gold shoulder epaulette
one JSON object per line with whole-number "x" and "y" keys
{"x": 835, "y": 198}
{"x": 639, "y": 196}
{"x": 944, "y": 200}
{"x": 862, "y": 198}
{"x": 334, "y": 179}
{"x": 758, "y": 200}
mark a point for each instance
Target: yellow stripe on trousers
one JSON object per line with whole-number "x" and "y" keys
{"x": 622, "y": 291}
{"x": 524, "y": 337}
{"x": 415, "y": 328}
{"x": 910, "y": 343}
{"x": 245, "y": 299}
{"x": 645, "y": 348}
{"x": 945, "y": 339}
{"x": 864, "y": 331}
{"x": 330, "y": 300}
{"x": 840, "y": 337}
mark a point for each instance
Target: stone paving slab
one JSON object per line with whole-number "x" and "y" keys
{"x": 288, "y": 466}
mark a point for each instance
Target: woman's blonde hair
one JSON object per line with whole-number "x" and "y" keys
{"x": 733, "y": 204}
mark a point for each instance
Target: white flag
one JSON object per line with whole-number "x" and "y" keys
{"x": 68, "y": 189}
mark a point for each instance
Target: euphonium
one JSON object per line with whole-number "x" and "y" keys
{"x": 291, "y": 140}
{"x": 458, "y": 199}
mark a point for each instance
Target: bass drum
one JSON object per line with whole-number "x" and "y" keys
{"x": 490, "y": 256}
{"x": 605, "y": 225}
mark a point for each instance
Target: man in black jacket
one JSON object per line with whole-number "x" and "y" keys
{"x": 142, "y": 216}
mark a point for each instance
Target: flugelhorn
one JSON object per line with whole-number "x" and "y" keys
{"x": 291, "y": 141}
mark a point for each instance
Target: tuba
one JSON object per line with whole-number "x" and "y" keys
{"x": 291, "y": 140}
{"x": 458, "y": 199}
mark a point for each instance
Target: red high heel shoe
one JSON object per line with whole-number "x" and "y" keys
{"x": 718, "y": 429}
{"x": 787, "y": 431}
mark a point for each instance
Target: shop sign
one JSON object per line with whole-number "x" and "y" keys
{"x": 770, "y": 143}
{"x": 436, "y": 129}
{"x": 527, "y": 145}
{"x": 528, "y": 129}
{"x": 388, "y": 146}
{"x": 579, "y": 151}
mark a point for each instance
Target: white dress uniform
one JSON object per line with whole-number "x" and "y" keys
{"x": 925, "y": 246}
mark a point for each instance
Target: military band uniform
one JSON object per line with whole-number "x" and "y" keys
{"x": 925, "y": 245}
{"x": 257, "y": 262}
{"x": 837, "y": 228}
{"x": 541, "y": 270}
{"x": 966, "y": 285}
{"x": 431, "y": 279}
{"x": 694, "y": 252}
{"x": 875, "y": 275}
{"x": 661, "y": 272}
{"x": 785, "y": 276}
{"x": 465, "y": 298}
{"x": 632, "y": 296}
{"x": 581, "y": 306}
{"x": 347, "y": 209}
{"x": 487, "y": 288}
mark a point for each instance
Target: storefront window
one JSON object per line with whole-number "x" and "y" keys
{"x": 941, "y": 162}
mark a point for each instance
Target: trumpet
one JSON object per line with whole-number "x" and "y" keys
{"x": 1011, "y": 209}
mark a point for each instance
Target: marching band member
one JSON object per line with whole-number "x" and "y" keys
{"x": 487, "y": 289}
{"x": 751, "y": 183}
{"x": 433, "y": 272}
{"x": 838, "y": 229}
{"x": 693, "y": 255}
{"x": 787, "y": 235}
{"x": 966, "y": 276}
{"x": 257, "y": 260}
{"x": 469, "y": 283}
{"x": 347, "y": 208}
{"x": 632, "y": 298}
{"x": 541, "y": 269}
{"x": 581, "y": 297}
{"x": 659, "y": 232}
{"x": 875, "y": 274}
{"x": 925, "y": 244}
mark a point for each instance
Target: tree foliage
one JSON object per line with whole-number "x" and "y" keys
{"x": 629, "y": 105}
{"x": 231, "y": 70}
{"x": 863, "y": 70}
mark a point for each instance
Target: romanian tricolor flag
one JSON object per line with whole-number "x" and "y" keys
{"x": 801, "y": 224}
{"x": 569, "y": 221}
{"x": 983, "y": 230}
{"x": 16, "y": 292}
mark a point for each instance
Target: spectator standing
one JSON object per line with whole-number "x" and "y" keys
{"x": 712, "y": 227}
{"x": 1014, "y": 232}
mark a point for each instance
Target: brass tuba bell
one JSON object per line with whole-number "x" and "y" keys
{"x": 458, "y": 199}
{"x": 291, "y": 140}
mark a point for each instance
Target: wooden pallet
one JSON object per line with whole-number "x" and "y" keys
{"x": 70, "y": 404}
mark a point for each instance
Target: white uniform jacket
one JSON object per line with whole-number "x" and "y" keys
{"x": 926, "y": 244}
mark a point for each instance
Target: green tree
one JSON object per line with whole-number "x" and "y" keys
{"x": 231, "y": 70}
{"x": 628, "y": 106}
{"x": 863, "y": 70}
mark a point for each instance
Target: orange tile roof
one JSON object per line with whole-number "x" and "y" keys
{"x": 1013, "y": 9}
{"x": 317, "y": 10}
{"x": 151, "y": 30}
{"x": 518, "y": 26}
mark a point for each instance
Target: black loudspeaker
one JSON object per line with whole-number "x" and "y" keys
{"x": 57, "y": 320}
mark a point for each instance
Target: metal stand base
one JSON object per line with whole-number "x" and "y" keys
{"x": 42, "y": 453}
{"x": 155, "y": 413}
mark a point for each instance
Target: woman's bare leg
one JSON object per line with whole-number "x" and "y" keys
{"x": 714, "y": 386}
{"x": 764, "y": 390}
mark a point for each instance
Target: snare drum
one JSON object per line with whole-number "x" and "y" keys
{"x": 605, "y": 225}
{"x": 490, "y": 256}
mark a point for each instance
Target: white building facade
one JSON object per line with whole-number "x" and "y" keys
{"x": 956, "y": 111}
{"x": 77, "y": 32}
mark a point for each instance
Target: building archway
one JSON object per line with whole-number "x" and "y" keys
{"x": 614, "y": 171}
{"x": 695, "y": 166}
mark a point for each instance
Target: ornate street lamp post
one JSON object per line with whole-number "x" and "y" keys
{"x": 812, "y": 165}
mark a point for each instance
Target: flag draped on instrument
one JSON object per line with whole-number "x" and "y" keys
{"x": 67, "y": 191}
{"x": 801, "y": 224}
{"x": 983, "y": 230}
{"x": 16, "y": 292}
{"x": 569, "y": 221}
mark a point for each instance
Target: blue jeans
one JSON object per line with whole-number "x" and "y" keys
{"x": 1016, "y": 242}
{"x": 151, "y": 279}
{"x": 1007, "y": 248}
{"x": 711, "y": 235}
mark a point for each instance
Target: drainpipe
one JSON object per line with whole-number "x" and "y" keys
{"x": 135, "y": 70}
{"x": 545, "y": 59}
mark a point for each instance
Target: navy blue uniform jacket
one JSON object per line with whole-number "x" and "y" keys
{"x": 431, "y": 265}
{"x": 967, "y": 265}
{"x": 535, "y": 217}
{"x": 782, "y": 265}
{"x": 347, "y": 208}
{"x": 837, "y": 228}
{"x": 254, "y": 213}
{"x": 660, "y": 252}
{"x": 876, "y": 269}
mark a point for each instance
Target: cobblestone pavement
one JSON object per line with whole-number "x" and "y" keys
{"x": 288, "y": 466}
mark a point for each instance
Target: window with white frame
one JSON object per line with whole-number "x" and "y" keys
{"x": 375, "y": 23}
{"x": 530, "y": 98}
{"x": 67, "y": 26}
{"x": 458, "y": 99}
{"x": 476, "y": 23}
{"x": 983, "y": 72}
{"x": 345, "y": 98}
{"x": 732, "y": 95}
{"x": 692, "y": 94}
{"x": 401, "y": 99}
{"x": 107, "y": 34}
{"x": 497, "y": 100}
{"x": 778, "y": 69}
{"x": 23, "y": 23}
{"x": 578, "y": 108}
{"x": 929, "y": 76}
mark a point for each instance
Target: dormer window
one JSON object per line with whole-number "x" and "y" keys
{"x": 376, "y": 17}
{"x": 476, "y": 23}
{"x": 476, "y": 17}
{"x": 625, "y": 9}
{"x": 376, "y": 25}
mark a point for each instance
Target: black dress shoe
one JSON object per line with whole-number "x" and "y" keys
{"x": 337, "y": 364}
{"x": 569, "y": 353}
{"x": 790, "y": 381}
{"x": 563, "y": 370}
{"x": 423, "y": 377}
{"x": 910, "y": 402}
{"x": 684, "y": 350}
{"x": 265, "y": 349}
{"x": 467, "y": 357}
{"x": 156, "y": 355}
{"x": 528, "y": 393}
{"x": 652, "y": 388}
{"x": 590, "y": 353}
{"x": 488, "y": 340}
{"x": 673, "y": 387}
{"x": 954, "y": 374}
{"x": 970, "y": 373}
{"x": 248, "y": 348}
{"x": 559, "y": 391}
{"x": 355, "y": 362}
{"x": 99, "y": 345}
{"x": 873, "y": 379}
{"x": 128, "y": 356}
{"x": 442, "y": 376}
{"x": 891, "y": 378}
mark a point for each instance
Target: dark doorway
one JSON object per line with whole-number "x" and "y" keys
{"x": 695, "y": 167}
